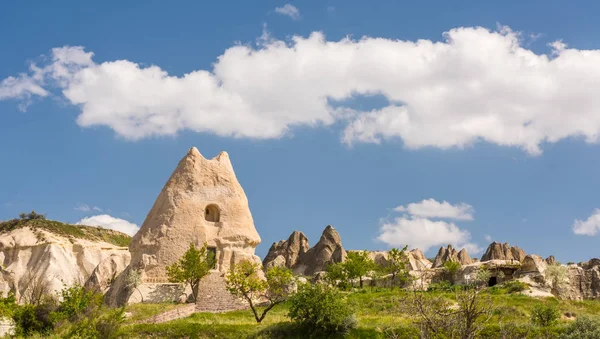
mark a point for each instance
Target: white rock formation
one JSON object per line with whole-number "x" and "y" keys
{"x": 202, "y": 202}
{"x": 32, "y": 259}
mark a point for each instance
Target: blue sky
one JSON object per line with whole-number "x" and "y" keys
{"x": 489, "y": 131}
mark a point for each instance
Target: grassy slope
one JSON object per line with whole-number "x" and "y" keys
{"x": 377, "y": 312}
{"x": 67, "y": 230}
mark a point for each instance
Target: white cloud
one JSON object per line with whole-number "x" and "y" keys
{"x": 589, "y": 226}
{"x": 82, "y": 208}
{"x": 431, "y": 208}
{"x": 475, "y": 85}
{"x": 109, "y": 222}
{"x": 289, "y": 10}
{"x": 424, "y": 234}
{"x": 488, "y": 238}
{"x": 87, "y": 208}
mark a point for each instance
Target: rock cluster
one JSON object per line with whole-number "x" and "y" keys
{"x": 201, "y": 203}
{"x": 499, "y": 251}
{"x": 295, "y": 253}
{"x": 286, "y": 253}
{"x": 450, "y": 254}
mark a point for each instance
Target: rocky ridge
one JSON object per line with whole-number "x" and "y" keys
{"x": 44, "y": 256}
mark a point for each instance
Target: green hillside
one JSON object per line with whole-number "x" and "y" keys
{"x": 68, "y": 230}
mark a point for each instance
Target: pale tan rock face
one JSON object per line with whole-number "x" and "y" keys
{"x": 499, "y": 251}
{"x": 450, "y": 254}
{"x": 33, "y": 258}
{"x": 202, "y": 202}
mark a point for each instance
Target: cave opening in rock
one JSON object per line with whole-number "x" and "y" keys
{"x": 212, "y": 213}
{"x": 493, "y": 281}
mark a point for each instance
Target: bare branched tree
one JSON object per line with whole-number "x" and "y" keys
{"x": 36, "y": 289}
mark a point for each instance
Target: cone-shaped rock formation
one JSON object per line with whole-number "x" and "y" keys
{"x": 498, "y": 251}
{"x": 202, "y": 202}
{"x": 295, "y": 254}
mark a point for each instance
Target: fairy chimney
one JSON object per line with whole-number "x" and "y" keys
{"x": 201, "y": 203}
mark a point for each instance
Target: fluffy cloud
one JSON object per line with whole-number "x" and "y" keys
{"x": 109, "y": 222}
{"x": 488, "y": 238}
{"x": 289, "y": 10}
{"x": 424, "y": 234}
{"x": 589, "y": 226}
{"x": 431, "y": 208}
{"x": 475, "y": 85}
{"x": 416, "y": 229}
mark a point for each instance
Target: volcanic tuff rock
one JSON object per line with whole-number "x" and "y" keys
{"x": 415, "y": 259}
{"x": 301, "y": 259}
{"x": 33, "y": 258}
{"x": 287, "y": 252}
{"x": 202, "y": 202}
{"x": 498, "y": 251}
{"x": 450, "y": 254}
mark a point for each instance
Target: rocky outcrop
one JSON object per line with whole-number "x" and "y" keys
{"x": 417, "y": 260}
{"x": 37, "y": 259}
{"x": 450, "y": 254}
{"x": 286, "y": 253}
{"x": 303, "y": 260}
{"x": 107, "y": 271}
{"x": 328, "y": 250}
{"x": 499, "y": 251}
{"x": 550, "y": 260}
{"x": 201, "y": 203}
{"x": 583, "y": 281}
{"x": 464, "y": 258}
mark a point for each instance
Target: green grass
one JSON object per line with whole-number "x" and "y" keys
{"x": 67, "y": 230}
{"x": 378, "y": 312}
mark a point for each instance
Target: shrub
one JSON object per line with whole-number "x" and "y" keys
{"x": 515, "y": 286}
{"x": 584, "y": 327}
{"x": 545, "y": 315}
{"x": 443, "y": 286}
{"x": 319, "y": 308}
{"x": 556, "y": 276}
{"x": 29, "y": 321}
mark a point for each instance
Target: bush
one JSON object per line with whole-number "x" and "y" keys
{"x": 29, "y": 319}
{"x": 515, "y": 286}
{"x": 545, "y": 315}
{"x": 584, "y": 327}
{"x": 319, "y": 308}
{"x": 443, "y": 286}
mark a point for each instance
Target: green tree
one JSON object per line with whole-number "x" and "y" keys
{"x": 396, "y": 266}
{"x": 451, "y": 268}
{"x": 556, "y": 276}
{"x": 482, "y": 277}
{"x": 243, "y": 280}
{"x": 337, "y": 275}
{"x": 358, "y": 265}
{"x": 191, "y": 268}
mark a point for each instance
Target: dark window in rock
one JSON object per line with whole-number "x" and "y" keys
{"x": 211, "y": 253}
{"x": 493, "y": 281}
{"x": 212, "y": 213}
